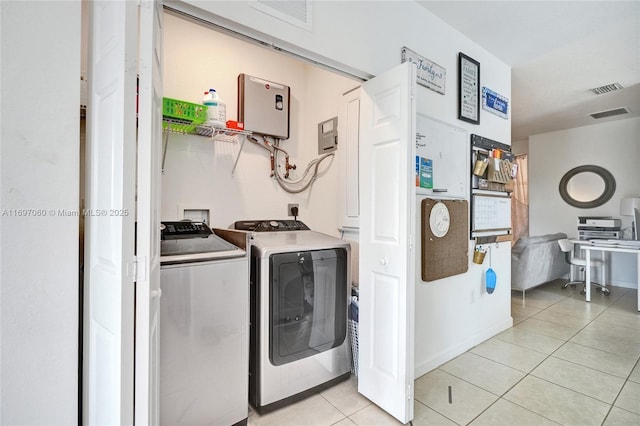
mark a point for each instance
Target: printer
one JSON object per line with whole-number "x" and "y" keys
{"x": 604, "y": 223}
{"x": 598, "y": 227}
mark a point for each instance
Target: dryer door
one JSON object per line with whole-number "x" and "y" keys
{"x": 308, "y": 303}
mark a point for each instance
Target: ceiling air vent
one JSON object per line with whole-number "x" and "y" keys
{"x": 296, "y": 12}
{"x": 607, "y": 88}
{"x": 610, "y": 113}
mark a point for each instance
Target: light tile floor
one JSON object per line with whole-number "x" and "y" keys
{"x": 564, "y": 362}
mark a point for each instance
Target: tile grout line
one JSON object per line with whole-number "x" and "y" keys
{"x": 613, "y": 404}
{"x": 498, "y": 396}
{"x": 341, "y": 412}
{"x": 591, "y": 320}
{"x": 627, "y": 380}
{"x": 546, "y": 358}
{"x": 542, "y": 361}
{"x": 621, "y": 388}
{"x": 567, "y": 341}
{"x": 596, "y": 349}
{"x": 527, "y": 373}
{"x": 436, "y": 411}
{"x": 519, "y": 381}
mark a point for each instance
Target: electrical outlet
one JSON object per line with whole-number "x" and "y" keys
{"x": 290, "y": 211}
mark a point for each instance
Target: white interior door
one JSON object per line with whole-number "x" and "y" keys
{"x": 148, "y": 214}
{"x": 108, "y": 351}
{"x": 387, "y": 230}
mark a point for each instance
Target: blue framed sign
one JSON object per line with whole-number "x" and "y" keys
{"x": 495, "y": 103}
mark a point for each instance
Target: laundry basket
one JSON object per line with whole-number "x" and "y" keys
{"x": 352, "y": 326}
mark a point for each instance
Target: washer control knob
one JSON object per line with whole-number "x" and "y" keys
{"x": 274, "y": 223}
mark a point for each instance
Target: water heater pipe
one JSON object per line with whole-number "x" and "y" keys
{"x": 310, "y": 173}
{"x": 309, "y": 177}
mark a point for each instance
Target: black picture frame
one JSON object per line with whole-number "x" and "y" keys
{"x": 468, "y": 89}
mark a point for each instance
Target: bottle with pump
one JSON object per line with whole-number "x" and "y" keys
{"x": 216, "y": 109}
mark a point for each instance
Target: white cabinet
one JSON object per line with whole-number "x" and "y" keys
{"x": 348, "y": 162}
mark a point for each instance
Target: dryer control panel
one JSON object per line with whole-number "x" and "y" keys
{"x": 270, "y": 225}
{"x": 184, "y": 229}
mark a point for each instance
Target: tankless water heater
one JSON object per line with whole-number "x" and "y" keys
{"x": 263, "y": 106}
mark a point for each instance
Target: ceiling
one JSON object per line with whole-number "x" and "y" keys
{"x": 558, "y": 51}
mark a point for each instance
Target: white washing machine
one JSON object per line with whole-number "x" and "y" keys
{"x": 300, "y": 284}
{"x": 204, "y": 328}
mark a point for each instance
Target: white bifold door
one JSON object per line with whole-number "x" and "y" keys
{"x": 387, "y": 232}
{"x": 149, "y": 160}
{"x": 122, "y": 270}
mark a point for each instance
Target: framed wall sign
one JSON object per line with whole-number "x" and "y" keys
{"x": 430, "y": 75}
{"x": 468, "y": 89}
{"x": 495, "y": 103}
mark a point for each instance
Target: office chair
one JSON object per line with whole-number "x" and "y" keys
{"x": 567, "y": 248}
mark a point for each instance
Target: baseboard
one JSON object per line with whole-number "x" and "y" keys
{"x": 423, "y": 367}
{"x": 623, "y": 284}
{"x": 615, "y": 283}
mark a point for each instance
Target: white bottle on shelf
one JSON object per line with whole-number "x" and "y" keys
{"x": 216, "y": 109}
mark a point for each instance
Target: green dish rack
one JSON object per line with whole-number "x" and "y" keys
{"x": 182, "y": 116}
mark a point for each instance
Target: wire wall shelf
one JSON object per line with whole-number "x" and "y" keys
{"x": 187, "y": 127}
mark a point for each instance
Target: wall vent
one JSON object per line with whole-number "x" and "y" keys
{"x": 296, "y": 12}
{"x": 607, "y": 88}
{"x": 610, "y": 113}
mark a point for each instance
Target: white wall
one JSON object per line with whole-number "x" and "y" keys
{"x": 39, "y": 299}
{"x": 366, "y": 38}
{"x": 520, "y": 147}
{"x": 612, "y": 145}
{"x": 198, "y": 170}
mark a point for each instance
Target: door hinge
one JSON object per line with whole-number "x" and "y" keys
{"x": 136, "y": 270}
{"x": 409, "y": 395}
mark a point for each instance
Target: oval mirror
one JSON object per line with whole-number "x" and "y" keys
{"x": 586, "y": 187}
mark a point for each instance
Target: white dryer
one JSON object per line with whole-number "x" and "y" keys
{"x": 300, "y": 284}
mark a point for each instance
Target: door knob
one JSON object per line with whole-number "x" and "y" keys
{"x": 156, "y": 293}
{"x": 383, "y": 261}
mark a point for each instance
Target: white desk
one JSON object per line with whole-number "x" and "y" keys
{"x": 589, "y": 246}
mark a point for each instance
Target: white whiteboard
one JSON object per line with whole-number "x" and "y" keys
{"x": 441, "y": 158}
{"x": 491, "y": 212}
